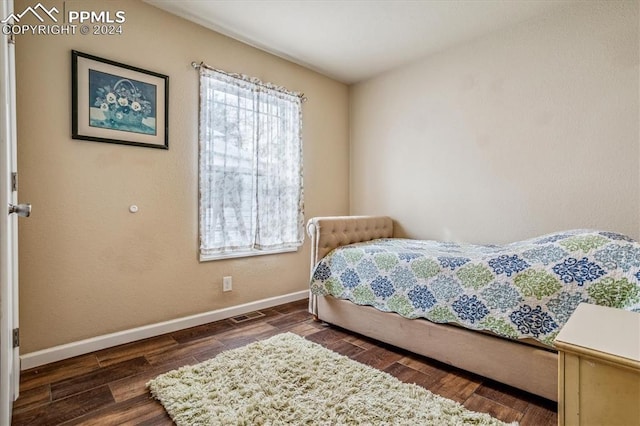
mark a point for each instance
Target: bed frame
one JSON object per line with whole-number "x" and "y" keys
{"x": 521, "y": 365}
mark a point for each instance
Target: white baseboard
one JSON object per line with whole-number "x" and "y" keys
{"x": 69, "y": 350}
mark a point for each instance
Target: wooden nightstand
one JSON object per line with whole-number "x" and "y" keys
{"x": 599, "y": 367}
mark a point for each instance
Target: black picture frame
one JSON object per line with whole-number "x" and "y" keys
{"x": 118, "y": 103}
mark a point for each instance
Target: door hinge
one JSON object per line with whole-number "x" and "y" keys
{"x": 14, "y": 181}
{"x": 16, "y": 337}
{"x": 11, "y": 39}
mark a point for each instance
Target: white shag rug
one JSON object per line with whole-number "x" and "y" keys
{"x": 288, "y": 380}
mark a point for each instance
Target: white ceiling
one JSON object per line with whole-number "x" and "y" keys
{"x": 353, "y": 40}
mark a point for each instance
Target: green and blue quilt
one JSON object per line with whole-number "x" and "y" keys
{"x": 526, "y": 289}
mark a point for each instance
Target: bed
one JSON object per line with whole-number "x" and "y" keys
{"x": 491, "y": 310}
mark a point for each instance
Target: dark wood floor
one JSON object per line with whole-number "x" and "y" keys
{"x": 108, "y": 387}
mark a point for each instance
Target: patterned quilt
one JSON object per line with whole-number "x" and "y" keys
{"x": 526, "y": 289}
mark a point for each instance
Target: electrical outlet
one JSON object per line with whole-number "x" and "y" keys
{"x": 227, "y": 284}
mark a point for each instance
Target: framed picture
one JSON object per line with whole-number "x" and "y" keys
{"x": 118, "y": 103}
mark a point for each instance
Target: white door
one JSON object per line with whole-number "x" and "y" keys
{"x": 9, "y": 210}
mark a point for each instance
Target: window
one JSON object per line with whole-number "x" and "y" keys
{"x": 251, "y": 196}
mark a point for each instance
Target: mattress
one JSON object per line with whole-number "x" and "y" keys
{"x": 525, "y": 290}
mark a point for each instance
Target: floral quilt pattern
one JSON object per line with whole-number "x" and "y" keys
{"x": 526, "y": 289}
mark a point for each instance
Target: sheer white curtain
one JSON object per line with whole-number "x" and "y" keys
{"x": 251, "y": 193}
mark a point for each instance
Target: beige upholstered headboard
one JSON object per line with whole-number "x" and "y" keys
{"x": 330, "y": 232}
{"x": 327, "y": 233}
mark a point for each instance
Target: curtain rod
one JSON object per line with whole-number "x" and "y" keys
{"x": 198, "y": 65}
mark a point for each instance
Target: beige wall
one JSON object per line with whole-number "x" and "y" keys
{"x": 88, "y": 266}
{"x": 525, "y": 131}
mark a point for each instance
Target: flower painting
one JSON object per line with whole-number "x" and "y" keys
{"x": 118, "y": 103}
{"x": 121, "y": 104}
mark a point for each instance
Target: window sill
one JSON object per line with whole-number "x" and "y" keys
{"x": 251, "y": 253}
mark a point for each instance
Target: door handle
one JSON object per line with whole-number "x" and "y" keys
{"x": 23, "y": 210}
